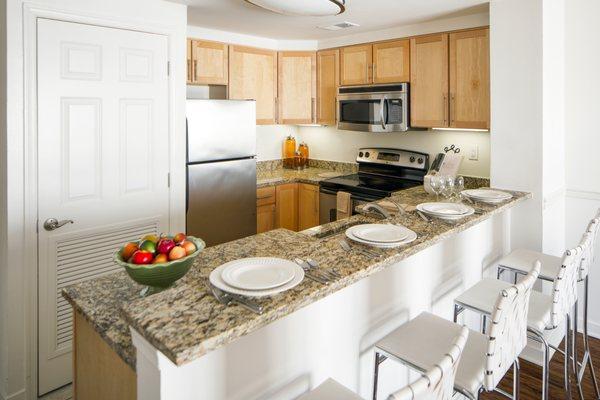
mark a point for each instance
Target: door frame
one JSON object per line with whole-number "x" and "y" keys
{"x": 29, "y": 258}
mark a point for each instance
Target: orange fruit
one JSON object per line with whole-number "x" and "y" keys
{"x": 161, "y": 258}
{"x": 128, "y": 250}
{"x": 176, "y": 253}
{"x": 188, "y": 246}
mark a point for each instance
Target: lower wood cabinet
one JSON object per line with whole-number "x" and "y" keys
{"x": 286, "y": 206}
{"x": 308, "y": 206}
{"x": 293, "y": 206}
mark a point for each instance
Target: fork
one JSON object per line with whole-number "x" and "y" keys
{"x": 229, "y": 298}
{"x": 314, "y": 265}
{"x": 311, "y": 274}
{"x": 348, "y": 248}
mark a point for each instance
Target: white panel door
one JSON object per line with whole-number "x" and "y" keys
{"x": 103, "y": 162}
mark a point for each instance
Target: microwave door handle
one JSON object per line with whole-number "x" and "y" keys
{"x": 381, "y": 113}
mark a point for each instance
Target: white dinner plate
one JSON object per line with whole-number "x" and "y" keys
{"x": 215, "y": 279}
{"x": 258, "y": 273}
{"x": 447, "y": 211}
{"x": 411, "y": 237}
{"x": 380, "y": 233}
{"x": 487, "y": 195}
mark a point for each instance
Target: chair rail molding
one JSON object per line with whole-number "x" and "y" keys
{"x": 583, "y": 194}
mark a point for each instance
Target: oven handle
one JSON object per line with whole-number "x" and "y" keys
{"x": 352, "y": 195}
{"x": 381, "y": 113}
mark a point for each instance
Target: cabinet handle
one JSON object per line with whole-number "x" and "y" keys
{"x": 194, "y": 71}
{"x": 335, "y": 107}
{"x": 276, "y": 110}
{"x": 452, "y": 108}
{"x": 313, "y": 110}
{"x": 373, "y": 72}
{"x": 445, "y": 104}
{"x": 189, "y": 69}
{"x": 367, "y": 72}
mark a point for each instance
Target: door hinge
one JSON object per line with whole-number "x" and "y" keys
{"x": 168, "y": 68}
{"x": 169, "y": 180}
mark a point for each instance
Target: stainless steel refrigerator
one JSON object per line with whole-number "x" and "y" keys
{"x": 221, "y": 169}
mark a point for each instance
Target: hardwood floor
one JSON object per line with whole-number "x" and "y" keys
{"x": 531, "y": 378}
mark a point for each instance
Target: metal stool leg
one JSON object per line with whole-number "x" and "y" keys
{"x": 568, "y": 395}
{"x": 516, "y": 380}
{"x": 586, "y": 343}
{"x": 574, "y": 356}
{"x": 539, "y": 337}
{"x": 376, "y": 375}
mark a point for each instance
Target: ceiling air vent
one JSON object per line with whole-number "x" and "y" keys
{"x": 338, "y": 26}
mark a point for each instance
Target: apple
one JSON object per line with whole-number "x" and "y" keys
{"x": 141, "y": 257}
{"x": 176, "y": 253}
{"x": 179, "y": 238}
{"x": 152, "y": 238}
{"x": 148, "y": 245}
{"x": 188, "y": 246}
{"x": 165, "y": 245}
{"x": 160, "y": 258}
{"x": 128, "y": 250}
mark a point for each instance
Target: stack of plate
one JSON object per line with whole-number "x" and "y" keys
{"x": 257, "y": 277}
{"x": 446, "y": 211}
{"x": 381, "y": 235}
{"x": 487, "y": 195}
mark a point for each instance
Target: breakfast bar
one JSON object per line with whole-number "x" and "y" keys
{"x": 183, "y": 344}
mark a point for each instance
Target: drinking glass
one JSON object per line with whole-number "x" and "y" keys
{"x": 448, "y": 190}
{"x": 459, "y": 186}
{"x": 437, "y": 185}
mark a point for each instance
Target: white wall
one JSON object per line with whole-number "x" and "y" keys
{"x": 269, "y": 140}
{"x": 18, "y": 285}
{"x": 328, "y": 143}
{"x": 582, "y": 137}
{"x": 3, "y": 215}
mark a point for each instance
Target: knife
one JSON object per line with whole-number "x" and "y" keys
{"x": 306, "y": 267}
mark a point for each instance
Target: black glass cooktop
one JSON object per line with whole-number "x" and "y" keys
{"x": 379, "y": 186}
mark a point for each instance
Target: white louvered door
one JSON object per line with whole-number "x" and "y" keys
{"x": 103, "y": 145}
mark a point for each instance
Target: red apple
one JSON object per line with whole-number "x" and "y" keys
{"x": 160, "y": 258}
{"x": 128, "y": 250}
{"x": 141, "y": 257}
{"x": 188, "y": 246}
{"x": 165, "y": 245}
{"x": 179, "y": 238}
{"x": 176, "y": 253}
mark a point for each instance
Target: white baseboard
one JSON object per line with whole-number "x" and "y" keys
{"x": 593, "y": 328}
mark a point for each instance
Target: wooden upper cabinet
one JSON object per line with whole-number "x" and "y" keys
{"x": 297, "y": 82}
{"x": 210, "y": 63}
{"x": 328, "y": 67}
{"x": 391, "y": 61}
{"x": 253, "y": 75}
{"x": 470, "y": 79}
{"x": 355, "y": 65}
{"x": 429, "y": 81}
{"x": 189, "y": 61}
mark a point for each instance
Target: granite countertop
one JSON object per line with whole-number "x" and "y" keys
{"x": 318, "y": 171}
{"x": 185, "y": 322}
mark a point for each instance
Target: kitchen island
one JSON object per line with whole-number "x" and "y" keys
{"x": 183, "y": 344}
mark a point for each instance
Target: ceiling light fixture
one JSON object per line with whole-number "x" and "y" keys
{"x": 306, "y": 8}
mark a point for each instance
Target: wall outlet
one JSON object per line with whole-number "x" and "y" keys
{"x": 474, "y": 153}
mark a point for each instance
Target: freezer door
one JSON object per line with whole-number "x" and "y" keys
{"x": 221, "y": 204}
{"x": 220, "y": 129}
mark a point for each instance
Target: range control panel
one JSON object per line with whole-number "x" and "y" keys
{"x": 395, "y": 157}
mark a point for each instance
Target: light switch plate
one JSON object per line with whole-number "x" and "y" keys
{"x": 474, "y": 153}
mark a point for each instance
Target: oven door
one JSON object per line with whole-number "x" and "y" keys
{"x": 328, "y": 205}
{"x": 373, "y": 112}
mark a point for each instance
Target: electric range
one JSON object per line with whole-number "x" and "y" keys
{"x": 381, "y": 171}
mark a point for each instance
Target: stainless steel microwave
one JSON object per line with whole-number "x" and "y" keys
{"x": 375, "y": 108}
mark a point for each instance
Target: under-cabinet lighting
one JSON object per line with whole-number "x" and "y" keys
{"x": 460, "y": 129}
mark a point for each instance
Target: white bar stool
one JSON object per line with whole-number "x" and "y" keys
{"x": 519, "y": 260}
{"x": 436, "y": 384}
{"x": 546, "y": 312}
{"x": 485, "y": 359}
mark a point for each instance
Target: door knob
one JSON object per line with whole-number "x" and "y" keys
{"x": 52, "y": 223}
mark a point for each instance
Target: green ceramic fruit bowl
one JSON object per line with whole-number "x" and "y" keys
{"x": 157, "y": 277}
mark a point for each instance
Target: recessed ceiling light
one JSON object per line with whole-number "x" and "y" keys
{"x": 313, "y": 8}
{"x": 338, "y": 26}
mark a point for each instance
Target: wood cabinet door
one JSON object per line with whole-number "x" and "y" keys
{"x": 287, "y": 206}
{"x": 297, "y": 80}
{"x": 253, "y": 75}
{"x": 308, "y": 206}
{"x": 470, "y": 79}
{"x": 355, "y": 65}
{"x": 190, "y": 71}
{"x": 328, "y": 67}
{"x": 265, "y": 218}
{"x": 391, "y": 61}
{"x": 210, "y": 62}
{"x": 429, "y": 81}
